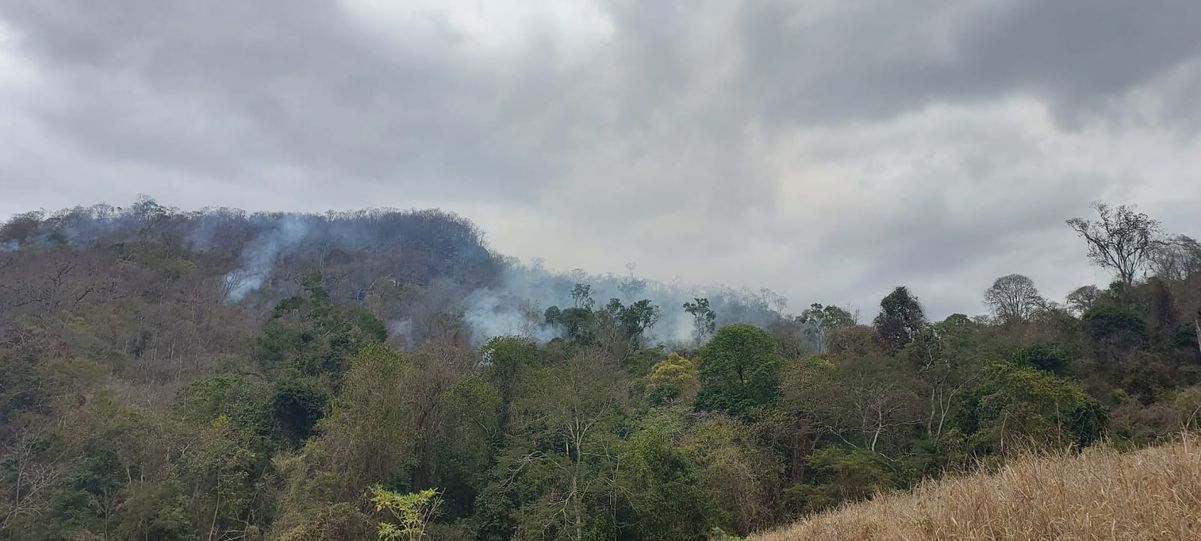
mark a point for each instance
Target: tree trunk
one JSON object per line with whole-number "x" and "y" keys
{"x": 1197, "y": 324}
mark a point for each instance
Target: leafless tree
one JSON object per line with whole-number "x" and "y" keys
{"x": 1013, "y": 298}
{"x": 1120, "y": 238}
{"x": 1083, "y": 298}
{"x": 1176, "y": 258}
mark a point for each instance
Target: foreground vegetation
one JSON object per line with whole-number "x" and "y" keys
{"x": 1100, "y": 494}
{"x": 224, "y": 376}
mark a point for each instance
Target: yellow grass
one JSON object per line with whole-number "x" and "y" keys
{"x": 1101, "y": 494}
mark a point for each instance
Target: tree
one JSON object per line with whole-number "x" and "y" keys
{"x": 665, "y": 496}
{"x": 561, "y": 445}
{"x": 739, "y": 370}
{"x": 1046, "y": 357}
{"x": 1013, "y": 298}
{"x": 372, "y": 432}
{"x": 672, "y": 378}
{"x": 1115, "y": 330}
{"x": 1083, "y": 298}
{"x": 296, "y": 407}
{"x": 900, "y": 319}
{"x": 1119, "y": 239}
{"x": 581, "y": 296}
{"x": 412, "y": 512}
{"x": 841, "y": 475}
{"x": 1029, "y": 406}
{"x": 636, "y": 318}
{"x": 1197, "y": 328}
{"x": 945, "y": 363}
{"x": 632, "y": 285}
{"x": 1176, "y": 258}
{"x": 704, "y": 320}
{"x": 863, "y": 402}
{"x": 820, "y": 321}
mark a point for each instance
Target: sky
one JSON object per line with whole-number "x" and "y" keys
{"x": 828, "y": 150}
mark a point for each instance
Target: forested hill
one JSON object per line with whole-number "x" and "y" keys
{"x": 225, "y": 375}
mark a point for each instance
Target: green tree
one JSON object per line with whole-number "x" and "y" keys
{"x": 739, "y": 370}
{"x": 704, "y": 319}
{"x": 411, "y": 513}
{"x": 310, "y": 335}
{"x": 1114, "y": 330}
{"x": 634, "y": 319}
{"x": 820, "y": 321}
{"x": 1014, "y": 406}
{"x": 672, "y": 378}
{"x": 666, "y": 497}
{"x": 555, "y": 475}
{"x": 900, "y": 319}
{"x": 1047, "y": 357}
{"x": 841, "y": 475}
{"x": 296, "y": 407}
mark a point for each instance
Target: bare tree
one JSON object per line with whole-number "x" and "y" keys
{"x": 1013, "y": 298}
{"x": 1176, "y": 258}
{"x": 1083, "y": 298}
{"x": 1119, "y": 239}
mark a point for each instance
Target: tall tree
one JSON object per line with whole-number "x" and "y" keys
{"x": 820, "y": 320}
{"x": 900, "y": 319}
{"x": 739, "y": 370}
{"x": 1013, "y": 298}
{"x": 704, "y": 320}
{"x": 1119, "y": 239}
{"x": 1176, "y": 258}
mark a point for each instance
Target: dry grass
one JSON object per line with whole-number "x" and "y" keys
{"x": 1101, "y": 494}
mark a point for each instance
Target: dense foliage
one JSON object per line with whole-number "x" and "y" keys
{"x": 217, "y": 375}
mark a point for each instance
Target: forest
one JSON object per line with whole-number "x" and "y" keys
{"x": 385, "y": 374}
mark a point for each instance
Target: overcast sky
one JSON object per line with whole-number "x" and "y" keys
{"x": 826, "y": 149}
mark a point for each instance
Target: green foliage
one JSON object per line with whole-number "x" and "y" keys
{"x": 310, "y": 335}
{"x": 820, "y": 321}
{"x": 900, "y": 319}
{"x": 739, "y": 370}
{"x": 1046, "y": 357}
{"x": 369, "y": 433}
{"x": 1114, "y": 327}
{"x": 296, "y": 407}
{"x": 136, "y": 403}
{"x": 411, "y": 513}
{"x": 840, "y": 475}
{"x": 576, "y": 322}
{"x": 704, "y": 319}
{"x": 739, "y": 476}
{"x": 245, "y": 402}
{"x": 1015, "y": 407}
{"x": 155, "y": 511}
{"x": 666, "y": 499}
{"x": 634, "y": 319}
{"x": 672, "y": 378}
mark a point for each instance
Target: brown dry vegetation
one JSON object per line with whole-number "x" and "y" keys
{"x": 1149, "y": 494}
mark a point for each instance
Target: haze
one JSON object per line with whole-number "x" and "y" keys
{"x": 827, "y": 150}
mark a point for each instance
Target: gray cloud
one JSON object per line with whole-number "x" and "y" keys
{"x": 827, "y": 149}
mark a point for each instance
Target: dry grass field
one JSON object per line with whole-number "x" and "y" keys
{"x": 1150, "y": 494}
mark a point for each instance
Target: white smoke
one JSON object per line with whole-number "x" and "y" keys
{"x": 258, "y": 257}
{"x": 516, "y": 306}
{"x": 10, "y": 246}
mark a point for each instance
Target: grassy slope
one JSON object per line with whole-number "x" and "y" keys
{"x": 1101, "y": 494}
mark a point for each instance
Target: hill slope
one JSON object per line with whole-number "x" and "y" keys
{"x": 1153, "y": 493}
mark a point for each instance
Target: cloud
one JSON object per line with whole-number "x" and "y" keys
{"x": 827, "y": 149}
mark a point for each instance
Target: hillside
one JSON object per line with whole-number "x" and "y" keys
{"x": 1100, "y": 494}
{"x": 225, "y": 375}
